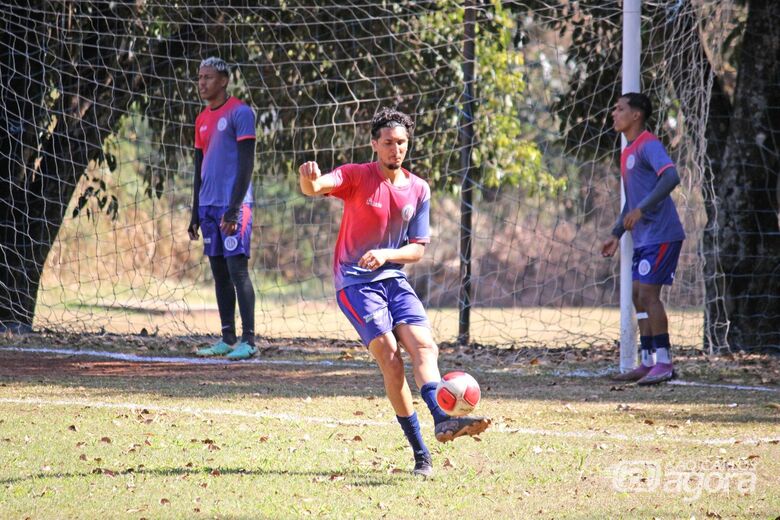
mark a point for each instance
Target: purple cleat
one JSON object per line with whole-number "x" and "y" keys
{"x": 634, "y": 375}
{"x": 660, "y": 372}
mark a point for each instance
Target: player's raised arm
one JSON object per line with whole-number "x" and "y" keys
{"x": 312, "y": 181}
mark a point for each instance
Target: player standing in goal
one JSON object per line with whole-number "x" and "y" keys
{"x": 222, "y": 204}
{"x": 649, "y": 176}
{"x": 385, "y": 225}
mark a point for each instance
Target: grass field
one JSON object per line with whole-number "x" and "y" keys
{"x": 307, "y": 432}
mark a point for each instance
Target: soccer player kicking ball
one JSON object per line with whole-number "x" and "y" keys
{"x": 222, "y": 204}
{"x": 649, "y": 176}
{"x": 384, "y": 226}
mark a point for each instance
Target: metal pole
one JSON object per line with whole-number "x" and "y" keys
{"x": 467, "y": 184}
{"x": 632, "y": 48}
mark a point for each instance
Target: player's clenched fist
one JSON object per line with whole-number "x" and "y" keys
{"x": 310, "y": 170}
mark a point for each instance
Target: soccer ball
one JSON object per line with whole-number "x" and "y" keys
{"x": 457, "y": 393}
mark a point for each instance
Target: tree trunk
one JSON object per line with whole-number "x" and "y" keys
{"x": 746, "y": 189}
{"x": 49, "y": 139}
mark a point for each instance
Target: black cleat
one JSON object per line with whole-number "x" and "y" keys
{"x": 456, "y": 427}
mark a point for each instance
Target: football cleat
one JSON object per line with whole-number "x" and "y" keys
{"x": 456, "y": 427}
{"x": 423, "y": 467}
{"x": 634, "y": 375}
{"x": 661, "y": 372}
{"x": 243, "y": 351}
{"x": 220, "y": 348}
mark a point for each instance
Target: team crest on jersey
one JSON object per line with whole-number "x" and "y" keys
{"x": 222, "y": 124}
{"x": 373, "y": 203}
{"x": 203, "y": 128}
{"x": 644, "y": 267}
{"x": 631, "y": 161}
{"x": 407, "y": 213}
{"x": 231, "y": 243}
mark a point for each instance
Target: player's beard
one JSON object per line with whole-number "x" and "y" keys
{"x": 393, "y": 166}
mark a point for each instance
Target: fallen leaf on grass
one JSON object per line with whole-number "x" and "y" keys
{"x": 164, "y": 501}
{"x": 107, "y": 440}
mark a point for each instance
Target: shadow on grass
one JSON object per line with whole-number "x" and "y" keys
{"x": 369, "y": 478}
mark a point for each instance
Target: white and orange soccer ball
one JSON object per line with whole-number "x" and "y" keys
{"x": 458, "y": 393}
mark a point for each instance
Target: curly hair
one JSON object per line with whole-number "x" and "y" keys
{"x": 390, "y": 118}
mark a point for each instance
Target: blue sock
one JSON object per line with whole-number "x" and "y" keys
{"x": 411, "y": 427}
{"x": 428, "y": 393}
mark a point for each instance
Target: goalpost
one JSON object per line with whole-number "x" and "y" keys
{"x": 100, "y": 106}
{"x": 631, "y": 82}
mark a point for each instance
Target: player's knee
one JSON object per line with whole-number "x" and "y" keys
{"x": 392, "y": 366}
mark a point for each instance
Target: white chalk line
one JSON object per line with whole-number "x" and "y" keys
{"x": 329, "y": 421}
{"x": 135, "y": 358}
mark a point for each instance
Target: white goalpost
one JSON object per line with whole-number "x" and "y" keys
{"x": 631, "y": 82}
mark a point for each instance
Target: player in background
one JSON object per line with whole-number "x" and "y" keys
{"x": 649, "y": 176}
{"x": 222, "y": 204}
{"x": 385, "y": 224}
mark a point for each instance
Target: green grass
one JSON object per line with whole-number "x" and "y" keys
{"x": 100, "y": 439}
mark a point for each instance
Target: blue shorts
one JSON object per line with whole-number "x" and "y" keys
{"x": 214, "y": 242}
{"x": 656, "y": 264}
{"x": 376, "y": 308}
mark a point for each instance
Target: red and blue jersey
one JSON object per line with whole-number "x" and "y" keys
{"x": 217, "y": 133}
{"x": 377, "y": 215}
{"x": 641, "y": 162}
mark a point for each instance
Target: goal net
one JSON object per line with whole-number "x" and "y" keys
{"x": 101, "y": 101}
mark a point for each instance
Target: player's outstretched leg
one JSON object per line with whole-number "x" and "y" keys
{"x": 418, "y": 341}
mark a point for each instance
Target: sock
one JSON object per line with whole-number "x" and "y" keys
{"x": 662, "y": 348}
{"x": 646, "y": 350}
{"x": 411, "y": 427}
{"x": 428, "y": 393}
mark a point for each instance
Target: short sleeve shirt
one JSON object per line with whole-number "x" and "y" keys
{"x": 377, "y": 215}
{"x": 217, "y": 134}
{"x": 641, "y": 162}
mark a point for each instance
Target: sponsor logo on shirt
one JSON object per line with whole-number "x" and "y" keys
{"x": 407, "y": 213}
{"x": 374, "y": 203}
{"x": 231, "y": 243}
{"x": 206, "y": 240}
{"x": 222, "y": 124}
{"x": 203, "y": 128}
{"x": 631, "y": 161}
